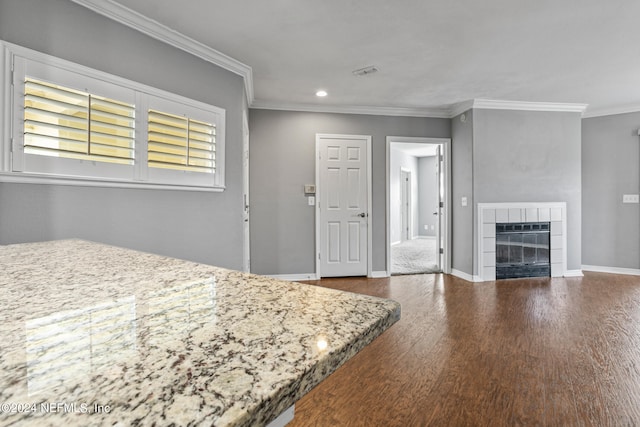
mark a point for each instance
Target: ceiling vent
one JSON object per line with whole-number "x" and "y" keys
{"x": 365, "y": 71}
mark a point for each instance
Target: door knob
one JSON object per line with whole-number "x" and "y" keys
{"x": 362, "y": 215}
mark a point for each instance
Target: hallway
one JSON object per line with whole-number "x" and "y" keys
{"x": 414, "y": 257}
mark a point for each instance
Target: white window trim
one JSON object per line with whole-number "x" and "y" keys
{"x": 8, "y": 51}
{"x": 5, "y": 100}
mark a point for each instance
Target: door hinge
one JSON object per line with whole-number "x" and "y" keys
{"x": 442, "y": 204}
{"x": 318, "y": 255}
{"x": 441, "y": 250}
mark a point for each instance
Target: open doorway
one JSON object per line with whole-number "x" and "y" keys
{"x": 418, "y": 225}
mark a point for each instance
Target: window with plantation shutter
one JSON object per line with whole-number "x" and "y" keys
{"x": 75, "y": 125}
{"x": 181, "y": 143}
{"x": 62, "y": 122}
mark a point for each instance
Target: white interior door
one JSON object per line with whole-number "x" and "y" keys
{"x": 343, "y": 206}
{"x": 405, "y": 204}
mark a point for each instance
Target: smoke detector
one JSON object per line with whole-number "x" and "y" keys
{"x": 365, "y": 71}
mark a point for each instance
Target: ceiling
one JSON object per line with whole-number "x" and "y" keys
{"x": 415, "y": 150}
{"x": 431, "y": 54}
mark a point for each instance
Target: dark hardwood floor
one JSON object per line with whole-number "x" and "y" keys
{"x": 548, "y": 352}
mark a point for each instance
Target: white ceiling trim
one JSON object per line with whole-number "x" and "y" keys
{"x": 494, "y": 104}
{"x": 633, "y": 108}
{"x": 154, "y": 29}
{"x": 460, "y": 108}
{"x": 440, "y": 113}
{"x": 437, "y": 113}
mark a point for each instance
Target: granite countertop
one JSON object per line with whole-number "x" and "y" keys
{"x": 97, "y": 335}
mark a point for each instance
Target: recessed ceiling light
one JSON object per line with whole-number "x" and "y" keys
{"x": 321, "y": 93}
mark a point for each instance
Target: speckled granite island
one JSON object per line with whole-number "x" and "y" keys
{"x": 97, "y": 335}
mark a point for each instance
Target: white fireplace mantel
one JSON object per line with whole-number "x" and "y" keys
{"x": 491, "y": 213}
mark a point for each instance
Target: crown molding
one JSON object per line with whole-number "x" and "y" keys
{"x": 460, "y": 108}
{"x": 599, "y": 112}
{"x": 442, "y": 113}
{"x": 495, "y": 104}
{"x": 437, "y": 113}
{"x": 158, "y": 31}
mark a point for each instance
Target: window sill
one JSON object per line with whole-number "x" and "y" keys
{"x": 30, "y": 178}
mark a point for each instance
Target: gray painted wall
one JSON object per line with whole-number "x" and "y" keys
{"x": 283, "y": 160}
{"x": 428, "y": 195}
{"x": 530, "y": 156}
{"x": 610, "y": 168}
{"x": 462, "y": 238}
{"x": 204, "y": 227}
{"x": 400, "y": 160}
{"x": 514, "y": 156}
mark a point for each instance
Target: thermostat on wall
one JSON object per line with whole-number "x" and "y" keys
{"x": 309, "y": 189}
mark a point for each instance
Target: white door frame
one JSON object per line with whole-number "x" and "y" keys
{"x": 446, "y": 212}
{"x": 440, "y": 200}
{"x": 246, "y": 246}
{"x": 319, "y": 198}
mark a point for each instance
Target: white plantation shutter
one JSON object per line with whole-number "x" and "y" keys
{"x": 112, "y": 125}
{"x": 180, "y": 143}
{"x": 183, "y": 142}
{"x": 72, "y": 124}
{"x": 63, "y": 122}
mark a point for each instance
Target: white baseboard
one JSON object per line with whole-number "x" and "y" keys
{"x": 424, "y": 237}
{"x": 396, "y": 243}
{"x": 567, "y": 273}
{"x": 612, "y": 270}
{"x": 313, "y": 276}
{"x": 284, "y": 418}
{"x": 294, "y": 277}
{"x": 464, "y": 276}
{"x": 573, "y": 273}
{"x": 379, "y": 274}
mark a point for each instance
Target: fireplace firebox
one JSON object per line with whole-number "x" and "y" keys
{"x": 522, "y": 250}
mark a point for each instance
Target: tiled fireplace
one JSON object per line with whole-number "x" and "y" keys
{"x": 513, "y": 216}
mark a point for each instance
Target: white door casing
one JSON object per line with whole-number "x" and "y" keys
{"x": 343, "y": 232}
{"x": 405, "y": 204}
{"x": 445, "y": 216}
{"x": 246, "y": 263}
{"x": 440, "y": 196}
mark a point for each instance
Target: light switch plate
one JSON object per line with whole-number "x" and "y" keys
{"x": 463, "y": 201}
{"x": 630, "y": 198}
{"x": 311, "y": 200}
